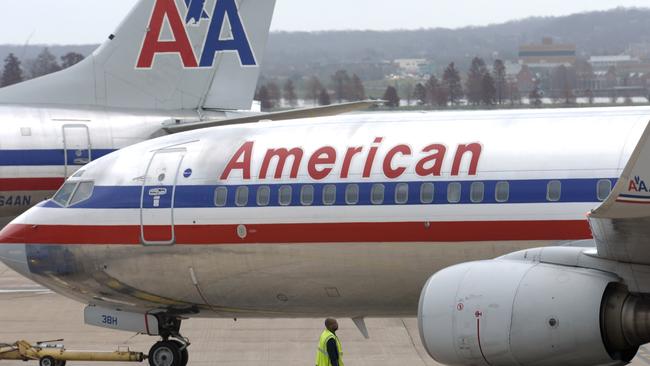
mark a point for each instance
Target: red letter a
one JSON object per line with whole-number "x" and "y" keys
{"x": 245, "y": 152}
{"x": 152, "y": 43}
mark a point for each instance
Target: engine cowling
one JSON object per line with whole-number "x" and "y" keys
{"x": 505, "y": 312}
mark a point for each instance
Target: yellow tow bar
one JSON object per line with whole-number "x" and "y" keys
{"x": 49, "y": 354}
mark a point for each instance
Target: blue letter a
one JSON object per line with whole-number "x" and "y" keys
{"x": 239, "y": 42}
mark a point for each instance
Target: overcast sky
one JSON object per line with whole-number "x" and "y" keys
{"x": 90, "y": 21}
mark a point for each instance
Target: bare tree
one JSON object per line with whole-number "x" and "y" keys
{"x": 290, "y": 96}
{"x": 391, "y": 97}
{"x": 451, "y": 79}
{"x": 71, "y": 59}
{"x": 44, "y": 64}
{"x": 358, "y": 91}
{"x": 536, "y": 95}
{"x": 474, "y": 83}
{"x": 341, "y": 82}
{"x": 263, "y": 96}
{"x": 275, "y": 95}
{"x": 324, "y": 97}
{"x": 314, "y": 89}
{"x": 420, "y": 94}
{"x": 500, "y": 82}
{"x": 12, "y": 72}
{"x": 488, "y": 90}
{"x": 563, "y": 81}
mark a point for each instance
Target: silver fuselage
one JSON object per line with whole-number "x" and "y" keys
{"x": 154, "y": 235}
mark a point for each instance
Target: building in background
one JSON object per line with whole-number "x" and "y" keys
{"x": 639, "y": 50}
{"x": 413, "y": 66}
{"x": 603, "y": 63}
{"x": 547, "y": 54}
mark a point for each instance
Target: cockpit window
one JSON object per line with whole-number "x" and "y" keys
{"x": 83, "y": 192}
{"x": 73, "y": 193}
{"x": 63, "y": 195}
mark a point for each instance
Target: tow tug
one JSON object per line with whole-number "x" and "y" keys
{"x": 51, "y": 353}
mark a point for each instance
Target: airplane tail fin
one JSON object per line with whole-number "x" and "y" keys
{"x": 166, "y": 55}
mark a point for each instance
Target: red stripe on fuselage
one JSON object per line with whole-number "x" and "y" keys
{"x": 30, "y": 184}
{"x": 380, "y": 232}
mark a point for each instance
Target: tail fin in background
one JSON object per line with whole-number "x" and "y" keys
{"x": 166, "y": 55}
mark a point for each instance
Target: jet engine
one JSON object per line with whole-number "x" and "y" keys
{"x": 505, "y": 312}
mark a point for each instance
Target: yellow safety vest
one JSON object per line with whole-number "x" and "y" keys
{"x": 322, "y": 358}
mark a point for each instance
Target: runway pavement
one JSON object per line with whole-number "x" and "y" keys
{"x": 33, "y": 313}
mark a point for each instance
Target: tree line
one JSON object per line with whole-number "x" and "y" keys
{"x": 45, "y": 63}
{"x": 482, "y": 85}
{"x": 342, "y": 87}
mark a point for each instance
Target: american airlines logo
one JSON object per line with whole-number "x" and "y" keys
{"x": 327, "y": 161}
{"x": 224, "y": 15}
{"x": 637, "y": 185}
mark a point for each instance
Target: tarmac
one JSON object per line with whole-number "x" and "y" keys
{"x": 32, "y": 313}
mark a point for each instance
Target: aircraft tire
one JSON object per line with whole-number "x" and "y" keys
{"x": 165, "y": 353}
{"x": 185, "y": 355}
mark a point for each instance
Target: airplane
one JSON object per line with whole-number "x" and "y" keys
{"x": 172, "y": 65}
{"x": 516, "y": 237}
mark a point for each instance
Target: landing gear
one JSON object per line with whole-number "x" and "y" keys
{"x": 169, "y": 352}
{"x": 185, "y": 355}
{"x": 165, "y": 353}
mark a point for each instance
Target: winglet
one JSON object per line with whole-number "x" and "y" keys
{"x": 630, "y": 196}
{"x": 621, "y": 225}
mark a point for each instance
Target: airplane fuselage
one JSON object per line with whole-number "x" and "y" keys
{"x": 344, "y": 216}
{"x": 40, "y": 146}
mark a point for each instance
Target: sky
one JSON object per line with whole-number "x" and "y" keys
{"x": 90, "y": 21}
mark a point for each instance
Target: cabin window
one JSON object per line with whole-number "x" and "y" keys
{"x": 453, "y": 192}
{"x": 83, "y": 192}
{"x": 263, "y": 195}
{"x": 241, "y": 197}
{"x": 307, "y": 195}
{"x": 352, "y": 194}
{"x": 329, "y": 194}
{"x": 285, "y": 195}
{"x": 377, "y": 194}
{"x": 502, "y": 192}
{"x": 426, "y": 193}
{"x": 554, "y": 190}
{"x": 401, "y": 193}
{"x": 604, "y": 189}
{"x": 477, "y": 192}
{"x": 221, "y": 196}
{"x": 63, "y": 195}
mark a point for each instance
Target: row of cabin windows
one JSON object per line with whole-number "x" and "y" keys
{"x": 378, "y": 190}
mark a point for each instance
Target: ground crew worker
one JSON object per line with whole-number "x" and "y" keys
{"x": 329, "y": 347}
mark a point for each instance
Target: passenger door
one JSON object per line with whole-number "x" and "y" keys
{"x": 77, "y": 147}
{"x": 157, "y": 197}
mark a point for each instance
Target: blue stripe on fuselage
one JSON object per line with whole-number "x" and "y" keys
{"x": 46, "y": 157}
{"x": 521, "y": 191}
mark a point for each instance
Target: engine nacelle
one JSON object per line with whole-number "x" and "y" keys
{"x": 504, "y": 312}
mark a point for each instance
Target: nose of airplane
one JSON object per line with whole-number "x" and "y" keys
{"x": 13, "y": 251}
{"x": 14, "y": 256}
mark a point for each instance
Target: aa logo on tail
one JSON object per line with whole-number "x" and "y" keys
{"x": 637, "y": 185}
{"x": 225, "y": 12}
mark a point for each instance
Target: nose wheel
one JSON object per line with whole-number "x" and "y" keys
{"x": 168, "y": 353}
